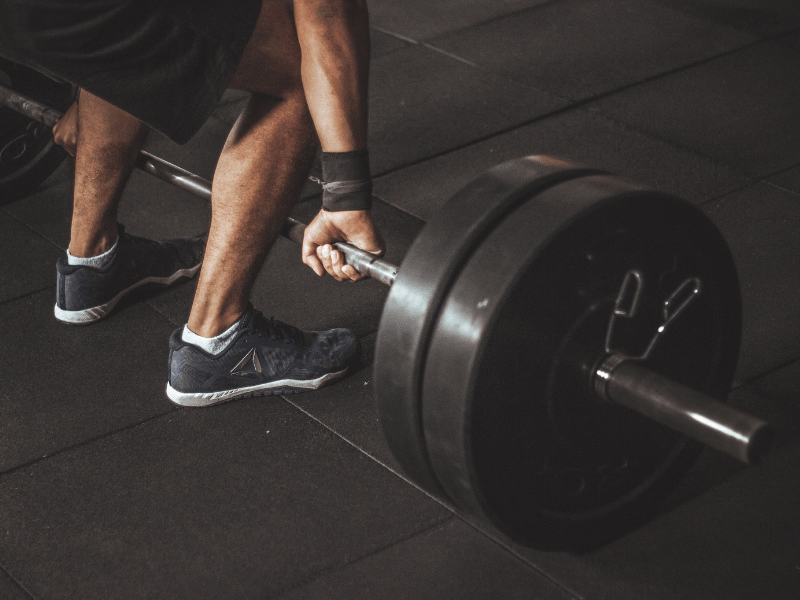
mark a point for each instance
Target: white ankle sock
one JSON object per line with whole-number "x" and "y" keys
{"x": 212, "y": 345}
{"x": 98, "y": 262}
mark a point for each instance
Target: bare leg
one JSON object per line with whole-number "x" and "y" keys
{"x": 109, "y": 140}
{"x": 259, "y": 174}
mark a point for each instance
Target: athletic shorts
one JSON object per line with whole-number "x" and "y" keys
{"x": 166, "y": 62}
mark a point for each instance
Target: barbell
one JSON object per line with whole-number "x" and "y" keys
{"x": 553, "y": 347}
{"x": 28, "y": 153}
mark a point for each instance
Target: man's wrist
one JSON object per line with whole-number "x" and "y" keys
{"x": 346, "y": 184}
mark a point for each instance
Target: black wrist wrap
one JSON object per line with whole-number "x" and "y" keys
{"x": 346, "y": 181}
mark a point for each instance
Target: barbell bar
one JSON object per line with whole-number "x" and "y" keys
{"x": 463, "y": 280}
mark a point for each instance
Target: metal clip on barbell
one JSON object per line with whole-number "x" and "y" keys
{"x": 618, "y": 378}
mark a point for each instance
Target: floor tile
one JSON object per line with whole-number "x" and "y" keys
{"x": 579, "y": 136}
{"x": 449, "y": 561}
{"x": 423, "y": 103}
{"x": 243, "y": 500}
{"x": 28, "y": 260}
{"x": 62, "y": 385}
{"x": 739, "y": 109}
{"x": 9, "y": 590}
{"x": 788, "y": 180}
{"x": 157, "y": 210}
{"x": 348, "y": 408}
{"x": 291, "y": 292}
{"x": 760, "y": 17}
{"x": 48, "y": 209}
{"x": 760, "y": 224}
{"x": 419, "y": 19}
{"x": 621, "y": 42}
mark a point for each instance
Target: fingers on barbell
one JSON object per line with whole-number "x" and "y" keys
{"x": 333, "y": 262}
{"x": 311, "y": 259}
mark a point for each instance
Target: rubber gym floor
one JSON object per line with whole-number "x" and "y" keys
{"x": 107, "y": 490}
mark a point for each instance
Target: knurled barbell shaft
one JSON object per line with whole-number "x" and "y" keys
{"x": 696, "y": 415}
{"x": 29, "y": 107}
{"x": 654, "y": 396}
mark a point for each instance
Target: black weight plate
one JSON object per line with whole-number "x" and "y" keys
{"x": 512, "y": 428}
{"x": 28, "y": 154}
{"x": 428, "y": 269}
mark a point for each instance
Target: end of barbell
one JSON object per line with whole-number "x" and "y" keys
{"x": 761, "y": 441}
{"x": 687, "y": 411}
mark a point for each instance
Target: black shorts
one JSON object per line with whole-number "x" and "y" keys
{"x": 166, "y": 62}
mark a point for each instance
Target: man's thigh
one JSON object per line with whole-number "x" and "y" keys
{"x": 270, "y": 62}
{"x": 166, "y": 62}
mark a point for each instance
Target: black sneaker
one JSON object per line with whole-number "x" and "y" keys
{"x": 265, "y": 357}
{"x": 87, "y": 294}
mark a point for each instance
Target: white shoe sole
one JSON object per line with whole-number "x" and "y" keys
{"x": 90, "y": 315}
{"x": 283, "y": 386}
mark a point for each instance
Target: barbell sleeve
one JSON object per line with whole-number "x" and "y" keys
{"x": 683, "y": 409}
{"x": 364, "y": 262}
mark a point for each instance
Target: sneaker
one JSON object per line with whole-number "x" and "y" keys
{"x": 87, "y": 294}
{"x": 265, "y": 357}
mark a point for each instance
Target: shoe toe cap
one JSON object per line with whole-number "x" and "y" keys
{"x": 337, "y": 347}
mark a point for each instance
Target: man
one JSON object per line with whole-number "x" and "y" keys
{"x": 167, "y": 64}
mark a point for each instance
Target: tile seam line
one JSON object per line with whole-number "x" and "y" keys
{"x": 766, "y": 373}
{"x": 577, "y": 104}
{"x": 780, "y": 187}
{"x": 492, "y": 538}
{"x": 753, "y": 182}
{"x": 85, "y": 442}
{"x": 356, "y": 560}
{"x": 159, "y": 313}
{"x": 26, "y": 295}
{"x": 18, "y": 583}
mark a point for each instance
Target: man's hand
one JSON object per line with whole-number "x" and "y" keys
{"x": 65, "y": 132}
{"x": 355, "y": 227}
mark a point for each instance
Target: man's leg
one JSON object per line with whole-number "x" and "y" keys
{"x": 260, "y": 172}
{"x": 109, "y": 139}
{"x": 227, "y": 351}
{"x": 103, "y": 262}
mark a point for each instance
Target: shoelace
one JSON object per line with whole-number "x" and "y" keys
{"x": 274, "y": 328}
